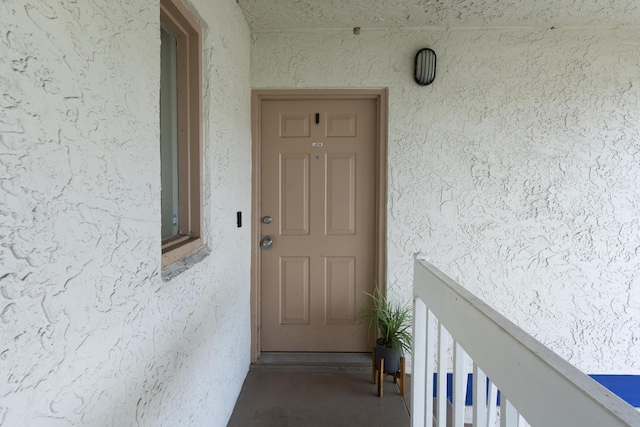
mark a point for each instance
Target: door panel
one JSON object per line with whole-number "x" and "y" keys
{"x": 294, "y": 290}
{"x": 294, "y": 193}
{"x": 294, "y": 125}
{"x": 340, "y": 290}
{"x": 318, "y": 185}
{"x": 341, "y": 193}
{"x": 341, "y": 125}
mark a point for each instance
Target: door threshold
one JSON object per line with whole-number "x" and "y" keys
{"x": 312, "y": 360}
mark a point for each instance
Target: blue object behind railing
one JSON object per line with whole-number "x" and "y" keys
{"x": 627, "y": 387}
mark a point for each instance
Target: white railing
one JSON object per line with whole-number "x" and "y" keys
{"x": 454, "y": 331}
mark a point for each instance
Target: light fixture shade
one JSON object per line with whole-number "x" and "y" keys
{"x": 425, "y": 67}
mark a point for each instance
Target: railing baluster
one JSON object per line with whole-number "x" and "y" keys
{"x": 459, "y": 389}
{"x": 479, "y": 397}
{"x": 420, "y": 356}
{"x": 492, "y": 407}
{"x": 522, "y": 422}
{"x": 430, "y": 367}
{"x": 443, "y": 344}
{"x": 508, "y": 413}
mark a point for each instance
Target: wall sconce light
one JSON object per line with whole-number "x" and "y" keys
{"x": 425, "y": 67}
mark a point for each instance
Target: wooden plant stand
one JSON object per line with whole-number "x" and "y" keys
{"x": 377, "y": 374}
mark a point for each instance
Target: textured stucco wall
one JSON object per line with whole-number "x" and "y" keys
{"x": 517, "y": 171}
{"x": 90, "y": 334}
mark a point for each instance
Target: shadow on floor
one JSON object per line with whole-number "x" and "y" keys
{"x": 310, "y": 395}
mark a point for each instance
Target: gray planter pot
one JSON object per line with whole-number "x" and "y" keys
{"x": 391, "y": 359}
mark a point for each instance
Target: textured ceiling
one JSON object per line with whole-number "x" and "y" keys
{"x": 288, "y": 14}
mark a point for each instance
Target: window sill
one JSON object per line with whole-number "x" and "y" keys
{"x": 183, "y": 264}
{"x": 178, "y": 248}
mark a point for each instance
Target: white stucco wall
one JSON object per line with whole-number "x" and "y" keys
{"x": 517, "y": 171}
{"x": 90, "y": 334}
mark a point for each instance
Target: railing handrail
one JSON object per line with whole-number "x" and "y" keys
{"x": 545, "y": 389}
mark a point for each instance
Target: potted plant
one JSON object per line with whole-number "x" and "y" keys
{"x": 393, "y": 323}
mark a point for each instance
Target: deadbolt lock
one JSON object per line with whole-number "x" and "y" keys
{"x": 267, "y": 219}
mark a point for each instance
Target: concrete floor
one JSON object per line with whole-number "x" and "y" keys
{"x": 313, "y": 390}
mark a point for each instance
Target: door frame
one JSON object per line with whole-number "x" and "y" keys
{"x": 259, "y": 95}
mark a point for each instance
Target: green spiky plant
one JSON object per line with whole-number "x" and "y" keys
{"x": 393, "y": 322}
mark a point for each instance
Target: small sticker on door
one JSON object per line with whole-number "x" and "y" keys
{"x": 316, "y": 144}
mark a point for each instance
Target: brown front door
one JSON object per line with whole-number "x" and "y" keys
{"x": 318, "y": 166}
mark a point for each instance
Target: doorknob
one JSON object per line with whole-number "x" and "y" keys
{"x": 266, "y": 243}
